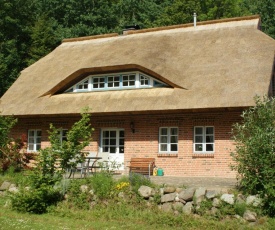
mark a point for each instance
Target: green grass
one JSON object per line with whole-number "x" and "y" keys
{"x": 113, "y": 216}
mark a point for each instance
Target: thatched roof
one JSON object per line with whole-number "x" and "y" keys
{"x": 218, "y": 64}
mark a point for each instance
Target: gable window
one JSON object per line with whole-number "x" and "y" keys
{"x": 113, "y": 81}
{"x": 34, "y": 139}
{"x": 83, "y": 85}
{"x": 168, "y": 139}
{"x": 128, "y": 80}
{"x": 99, "y": 82}
{"x": 144, "y": 80}
{"x": 120, "y": 81}
{"x": 203, "y": 139}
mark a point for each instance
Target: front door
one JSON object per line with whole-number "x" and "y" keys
{"x": 112, "y": 141}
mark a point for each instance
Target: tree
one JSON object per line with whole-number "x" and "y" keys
{"x": 255, "y": 151}
{"x": 265, "y": 8}
{"x": 10, "y": 154}
{"x": 67, "y": 152}
{"x": 16, "y": 19}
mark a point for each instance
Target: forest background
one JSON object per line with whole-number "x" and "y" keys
{"x": 30, "y": 29}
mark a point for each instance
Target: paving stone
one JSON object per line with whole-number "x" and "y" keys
{"x": 5, "y": 186}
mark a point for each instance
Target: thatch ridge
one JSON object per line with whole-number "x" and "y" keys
{"x": 209, "y": 22}
{"x": 90, "y": 37}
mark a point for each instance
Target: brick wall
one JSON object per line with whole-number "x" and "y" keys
{"x": 144, "y": 141}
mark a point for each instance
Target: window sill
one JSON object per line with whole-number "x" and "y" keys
{"x": 203, "y": 155}
{"x": 167, "y": 154}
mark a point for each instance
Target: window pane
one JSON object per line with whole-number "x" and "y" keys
{"x": 112, "y": 133}
{"x": 121, "y": 133}
{"x": 105, "y": 133}
{"x": 198, "y": 147}
{"x": 105, "y": 149}
{"x": 174, "y": 131}
{"x": 31, "y": 140}
{"x": 31, "y": 133}
{"x": 106, "y": 142}
{"x": 163, "y": 139}
{"x": 38, "y": 147}
{"x": 174, "y": 147}
{"x": 112, "y": 149}
{"x": 31, "y": 147}
{"x": 163, "y": 131}
{"x": 163, "y": 147}
{"x": 209, "y": 130}
{"x": 121, "y": 141}
{"x": 198, "y": 139}
{"x": 174, "y": 139}
{"x": 198, "y": 130}
{"x": 209, "y": 139}
{"x": 112, "y": 141}
{"x": 38, "y": 140}
{"x": 39, "y": 133}
{"x": 209, "y": 147}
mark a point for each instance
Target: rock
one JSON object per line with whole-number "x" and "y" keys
{"x": 13, "y": 189}
{"x": 253, "y": 200}
{"x": 121, "y": 195}
{"x": 188, "y": 208}
{"x": 169, "y": 189}
{"x": 5, "y": 186}
{"x": 178, "y": 190}
{"x": 168, "y": 197}
{"x": 166, "y": 207}
{"x": 240, "y": 199}
{"x": 228, "y": 198}
{"x": 161, "y": 191}
{"x": 250, "y": 216}
{"x": 177, "y": 206}
{"x": 210, "y": 194}
{"x": 84, "y": 188}
{"x": 214, "y": 211}
{"x": 145, "y": 191}
{"x": 177, "y": 199}
{"x": 187, "y": 194}
{"x": 199, "y": 195}
{"x": 216, "y": 202}
{"x": 182, "y": 201}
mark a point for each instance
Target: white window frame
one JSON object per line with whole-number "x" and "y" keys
{"x": 36, "y": 144}
{"x": 63, "y": 135}
{"x": 139, "y": 77}
{"x": 204, "y": 142}
{"x": 168, "y": 142}
{"x": 117, "y": 144}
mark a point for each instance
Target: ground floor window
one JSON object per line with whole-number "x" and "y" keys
{"x": 168, "y": 139}
{"x": 112, "y": 140}
{"x": 34, "y": 139}
{"x": 203, "y": 139}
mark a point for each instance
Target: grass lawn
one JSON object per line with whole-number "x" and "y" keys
{"x": 115, "y": 217}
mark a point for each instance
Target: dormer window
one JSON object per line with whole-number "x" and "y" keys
{"x": 131, "y": 80}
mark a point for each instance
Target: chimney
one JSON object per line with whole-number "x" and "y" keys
{"x": 195, "y": 19}
{"x": 129, "y": 28}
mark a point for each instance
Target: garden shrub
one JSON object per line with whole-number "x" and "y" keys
{"x": 35, "y": 200}
{"x": 137, "y": 180}
{"x": 78, "y": 198}
{"x": 102, "y": 184}
{"x": 255, "y": 151}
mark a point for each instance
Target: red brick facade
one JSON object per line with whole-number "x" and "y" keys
{"x": 144, "y": 142}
